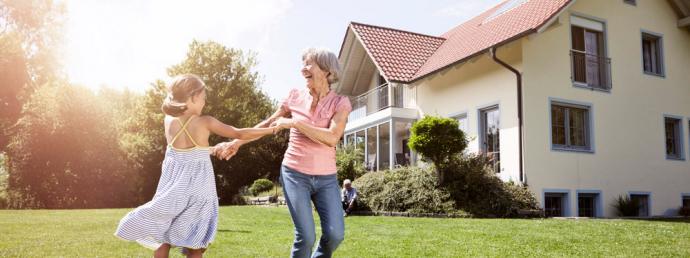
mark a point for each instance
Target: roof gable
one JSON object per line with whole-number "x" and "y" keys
{"x": 404, "y": 56}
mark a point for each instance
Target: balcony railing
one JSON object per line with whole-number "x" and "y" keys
{"x": 591, "y": 71}
{"x": 377, "y": 99}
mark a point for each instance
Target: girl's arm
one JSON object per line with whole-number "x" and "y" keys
{"x": 328, "y": 136}
{"x": 219, "y": 128}
{"x": 266, "y": 123}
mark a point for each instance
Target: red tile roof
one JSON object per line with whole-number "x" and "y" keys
{"x": 405, "y": 56}
{"x": 398, "y": 53}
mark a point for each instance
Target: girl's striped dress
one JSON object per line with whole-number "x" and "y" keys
{"x": 184, "y": 210}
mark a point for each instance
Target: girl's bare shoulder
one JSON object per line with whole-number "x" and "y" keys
{"x": 206, "y": 119}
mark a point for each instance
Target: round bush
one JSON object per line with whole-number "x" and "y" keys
{"x": 260, "y": 185}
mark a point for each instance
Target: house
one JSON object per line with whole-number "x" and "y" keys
{"x": 582, "y": 101}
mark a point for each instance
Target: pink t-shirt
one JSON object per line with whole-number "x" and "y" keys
{"x": 303, "y": 154}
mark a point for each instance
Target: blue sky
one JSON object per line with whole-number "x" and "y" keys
{"x": 128, "y": 44}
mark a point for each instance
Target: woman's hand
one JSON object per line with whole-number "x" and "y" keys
{"x": 226, "y": 150}
{"x": 283, "y": 123}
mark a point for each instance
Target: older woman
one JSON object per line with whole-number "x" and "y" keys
{"x": 316, "y": 117}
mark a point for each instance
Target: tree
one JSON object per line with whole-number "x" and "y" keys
{"x": 234, "y": 98}
{"x": 29, "y": 36}
{"x": 437, "y": 139}
{"x": 65, "y": 152}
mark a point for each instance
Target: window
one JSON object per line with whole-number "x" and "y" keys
{"x": 507, "y": 6}
{"x": 590, "y": 66}
{"x": 349, "y": 139}
{"x": 359, "y": 139}
{"x": 570, "y": 127}
{"x": 587, "y": 204}
{"x": 673, "y": 137}
{"x": 630, "y": 2}
{"x": 403, "y": 156}
{"x": 555, "y": 204}
{"x": 371, "y": 149}
{"x": 489, "y": 137}
{"x": 384, "y": 146}
{"x": 652, "y": 54}
{"x": 643, "y": 201}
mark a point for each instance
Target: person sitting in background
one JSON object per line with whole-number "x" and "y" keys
{"x": 349, "y": 196}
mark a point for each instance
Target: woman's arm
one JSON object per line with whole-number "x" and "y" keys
{"x": 219, "y": 128}
{"x": 327, "y": 136}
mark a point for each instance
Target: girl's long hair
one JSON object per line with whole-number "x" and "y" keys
{"x": 180, "y": 89}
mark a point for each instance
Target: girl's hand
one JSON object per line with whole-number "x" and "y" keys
{"x": 226, "y": 150}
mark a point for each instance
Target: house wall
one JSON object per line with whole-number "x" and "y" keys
{"x": 628, "y": 131}
{"x": 469, "y": 87}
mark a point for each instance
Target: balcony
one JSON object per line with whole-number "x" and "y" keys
{"x": 590, "y": 71}
{"x": 377, "y": 99}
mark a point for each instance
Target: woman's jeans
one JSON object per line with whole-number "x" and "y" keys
{"x": 300, "y": 191}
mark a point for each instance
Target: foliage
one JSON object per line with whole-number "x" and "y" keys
{"x": 65, "y": 152}
{"x": 29, "y": 36}
{"x": 260, "y": 185}
{"x": 476, "y": 189}
{"x": 350, "y": 162}
{"x": 625, "y": 206}
{"x": 406, "y": 189}
{"x": 437, "y": 139}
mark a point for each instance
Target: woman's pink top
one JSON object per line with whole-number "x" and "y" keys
{"x": 303, "y": 154}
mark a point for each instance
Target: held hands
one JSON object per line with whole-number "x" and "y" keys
{"x": 226, "y": 150}
{"x": 283, "y": 123}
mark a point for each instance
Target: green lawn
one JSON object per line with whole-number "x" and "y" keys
{"x": 267, "y": 232}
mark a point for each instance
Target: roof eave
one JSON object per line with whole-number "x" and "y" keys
{"x": 537, "y": 29}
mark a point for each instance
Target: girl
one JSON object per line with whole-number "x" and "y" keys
{"x": 184, "y": 210}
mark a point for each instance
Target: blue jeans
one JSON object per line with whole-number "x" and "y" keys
{"x": 300, "y": 191}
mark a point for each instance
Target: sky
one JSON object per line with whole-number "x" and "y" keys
{"x": 130, "y": 43}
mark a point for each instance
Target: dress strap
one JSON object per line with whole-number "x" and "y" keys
{"x": 184, "y": 129}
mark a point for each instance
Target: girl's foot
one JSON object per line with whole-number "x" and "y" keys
{"x": 195, "y": 253}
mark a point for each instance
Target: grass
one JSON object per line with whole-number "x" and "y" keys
{"x": 252, "y": 231}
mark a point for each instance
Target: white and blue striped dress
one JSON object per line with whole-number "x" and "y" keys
{"x": 184, "y": 210}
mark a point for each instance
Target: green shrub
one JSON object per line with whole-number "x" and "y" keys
{"x": 350, "y": 162}
{"x": 625, "y": 206}
{"x": 260, "y": 185}
{"x": 406, "y": 189}
{"x": 476, "y": 189}
{"x": 438, "y": 140}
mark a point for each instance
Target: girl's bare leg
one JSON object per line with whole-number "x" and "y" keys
{"x": 162, "y": 252}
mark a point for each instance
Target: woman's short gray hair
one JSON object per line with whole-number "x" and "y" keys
{"x": 326, "y": 60}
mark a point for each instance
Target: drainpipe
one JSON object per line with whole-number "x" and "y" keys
{"x": 518, "y": 77}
